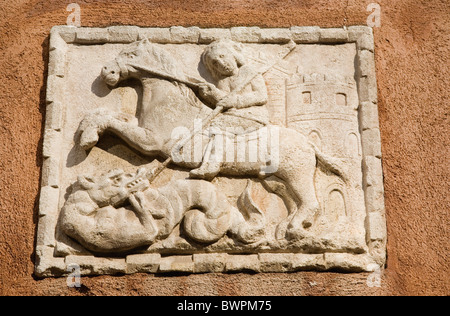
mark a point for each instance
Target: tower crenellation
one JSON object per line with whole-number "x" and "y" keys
{"x": 314, "y": 100}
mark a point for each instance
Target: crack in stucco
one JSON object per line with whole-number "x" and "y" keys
{"x": 346, "y": 13}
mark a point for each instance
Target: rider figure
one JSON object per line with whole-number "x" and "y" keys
{"x": 239, "y": 90}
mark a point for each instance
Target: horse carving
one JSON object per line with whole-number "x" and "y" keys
{"x": 170, "y": 102}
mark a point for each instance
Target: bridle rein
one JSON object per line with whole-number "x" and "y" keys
{"x": 124, "y": 72}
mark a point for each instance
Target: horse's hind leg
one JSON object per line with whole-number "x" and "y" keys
{"x": 302, "y": 184}
{"x": 126, "y": 128}
{"x": 297, "y": 169}
{"x": 279, "y": 187}
{"x": 211, "y": 164}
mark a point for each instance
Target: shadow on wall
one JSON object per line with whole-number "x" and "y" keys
{"x": 39, "y": 159}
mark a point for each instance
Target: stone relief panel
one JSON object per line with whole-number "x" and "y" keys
{"x": 211, "y": 150}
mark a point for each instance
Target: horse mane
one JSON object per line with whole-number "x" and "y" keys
{"x": 161, "y": 60}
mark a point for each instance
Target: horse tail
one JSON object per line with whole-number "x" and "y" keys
{"x": 331, "y": 164}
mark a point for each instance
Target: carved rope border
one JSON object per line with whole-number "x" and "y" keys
{"x": 47, "y": 264}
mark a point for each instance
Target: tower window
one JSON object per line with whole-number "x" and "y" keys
{"x": 306, "y": 97}
{"x": 341, "y": 99}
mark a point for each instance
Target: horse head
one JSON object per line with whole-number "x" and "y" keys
{"x": 144, "y": 54}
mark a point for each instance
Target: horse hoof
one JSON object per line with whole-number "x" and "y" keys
{"x": 310, "y": 219}
{"x": 88, "y": 139}
{"x": 307, "y": 224}
{"x": 298, "y": 229}
{"x": 296, "y": 234}
{"x": 281, "y": 231}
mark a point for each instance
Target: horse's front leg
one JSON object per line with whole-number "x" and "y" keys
{"x": 92, "y": 126}
{"x": 137, "y": 137}
{"x": 123, "y": 126}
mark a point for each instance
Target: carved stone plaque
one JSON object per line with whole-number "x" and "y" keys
{"x": 211, "y": 150}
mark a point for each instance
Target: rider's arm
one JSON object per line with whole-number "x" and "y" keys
{"x": 257, "y": 97}
{"x": 210, "y": 94}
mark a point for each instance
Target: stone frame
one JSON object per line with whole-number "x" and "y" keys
{"x": 48, "y": 265}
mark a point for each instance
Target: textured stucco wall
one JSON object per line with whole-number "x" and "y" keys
{"x": 412, "y": 49}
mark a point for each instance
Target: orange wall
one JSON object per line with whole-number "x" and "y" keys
{"x": 412, "y": 49}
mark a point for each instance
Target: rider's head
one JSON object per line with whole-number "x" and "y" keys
{"x": 223, "y": 58}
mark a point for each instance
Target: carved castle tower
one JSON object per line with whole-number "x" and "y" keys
{"x": 324, "y": 108}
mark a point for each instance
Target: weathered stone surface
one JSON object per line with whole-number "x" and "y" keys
{"x": 185, "y": 35}
{"x": 371, "y": 140}
{"x": 275, "y": 35}
{"x": 208, "y": 36}
{"x": 368, "y": 89}
{"x": 62, "y": 35}
{"x": 369, "y": 116}
{"x": 276, "y": 262}
{"x": 57, "y": 61}
{"x": 48, "y": 202}
{"x": 46, "y": 233}
{"x": 96, "y": 266}
{"x": 123, "y": 34}
{"x": 51, "y": 172}
{"x": 333, "y": 35}
{"x": 210, "y": 262}
{"x": 92, "y": 35}
{"x": 177, "y": 264}
{"x": 143, "y": 263}
{"x": 48, "y": 216}
{"x": 307, "y": 262}
{"x": 221, "y": 202}
{"x": 373, "y": 170}
{"x": 346, "y": 262}
{"x": 54, "y": 117}
{"x": 156, "y": 35}
{"x": 366, "y": 62}
{"x": 237, "y": 263}
{"x": 363, "y": 36}
{"x": 374, "y": 198}
{"x": 46, "y": 264}
{"x": 51, "y": 140}
{"x": 246, "y": 34}
{"x": 306, "y": 34}
{"x": 54, "y": 88}
{"x": 376, "y": 226}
